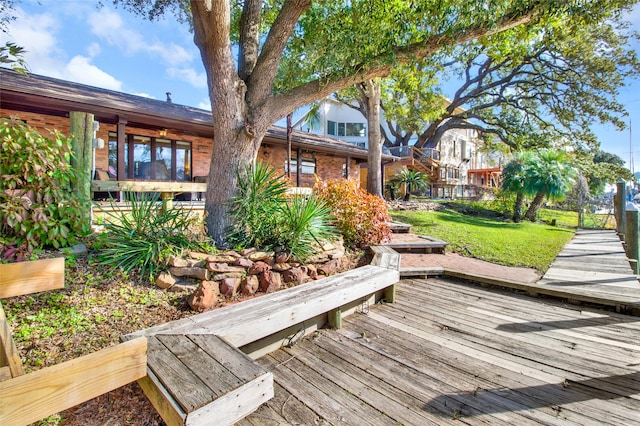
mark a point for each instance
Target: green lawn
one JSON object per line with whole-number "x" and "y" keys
{"x": 531, "y": 245}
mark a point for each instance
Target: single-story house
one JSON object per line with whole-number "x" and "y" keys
{"x": 160, "y": 141}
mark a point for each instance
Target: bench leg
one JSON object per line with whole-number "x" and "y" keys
{"x": 335, "y": 318}
{"x": 390, "y": 294}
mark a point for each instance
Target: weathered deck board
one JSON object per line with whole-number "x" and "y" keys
{"x": 594, "y": 261}
{"x": 485, "y": 357}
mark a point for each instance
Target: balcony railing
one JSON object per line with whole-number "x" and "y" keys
{"x": 420, "y": 154}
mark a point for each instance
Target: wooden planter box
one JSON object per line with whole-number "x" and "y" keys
{"x": 32, "y": 276}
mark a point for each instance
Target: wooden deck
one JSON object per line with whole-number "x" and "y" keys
{"x": 448, "y": 352}
{"x": 594, "y": 262}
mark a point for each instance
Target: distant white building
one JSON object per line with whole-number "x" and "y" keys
{"x": 457, "y": 166}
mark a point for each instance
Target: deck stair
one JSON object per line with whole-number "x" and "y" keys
{"x": 421, "y": 244}
{"x": 399, "y": 227}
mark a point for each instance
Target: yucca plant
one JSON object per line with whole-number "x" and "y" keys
{"x": 146, "y": 236}
{"x": 261, "y": 191}
{"x": 303, "y": 222}
{"x": 265, "y": 217}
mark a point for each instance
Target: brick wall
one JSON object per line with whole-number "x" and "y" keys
{"x": 327, "y": 166}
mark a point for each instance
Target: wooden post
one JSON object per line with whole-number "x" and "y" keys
{"x": 390, "y": 294}
{"x": 335, "y": 318}
{"x": 631, "y": 237}
{"x": 81, "y": 133}
{"x": 620, "y": 207}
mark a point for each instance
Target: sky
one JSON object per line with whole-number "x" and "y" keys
{"x": 111, "y": 48}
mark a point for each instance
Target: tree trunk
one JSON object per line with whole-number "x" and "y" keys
{"x": 374, "y": 157}
{"x": 532, "y": 211}
{"x": 224, "y": 173}
{"x": 517, "y": 209}
{"x": 289, "y": 132}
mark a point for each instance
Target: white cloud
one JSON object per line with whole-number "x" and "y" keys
{"x": 80, "y": 70}
{"x": 189, "y": 75}
{"x": 93, "y": 50}
{"x": 205, "y": 104}
{"x": 144, "y": 95}
{"x": 37, "y": 34}
{"x": 109, "y": 26}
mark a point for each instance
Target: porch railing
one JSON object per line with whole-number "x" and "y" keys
{"x": 420, "y": 154}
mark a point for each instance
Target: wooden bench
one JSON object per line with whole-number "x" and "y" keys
{"x": 257, "y": 326}
{"x": 201, "y": 378}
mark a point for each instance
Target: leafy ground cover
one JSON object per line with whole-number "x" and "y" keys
{"x": 471, "y": 233}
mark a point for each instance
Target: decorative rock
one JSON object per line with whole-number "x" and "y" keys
{"x": 198, "y": 273}
{"x": 229, "y": 286}
{"x": 279, "y": 267}
{"x": 223, "y": 268}
{"x": 282, "y": 257}
{"x": 217, "y": 267}
{"x": 258, "y": 268}
{"x": 312, "y": 271}
{"x": 319, "y": 258}
{"x": 181, "y": 288}
{"x": 250, "y": 285}
{"x": 245, "y": 252}
{"x": 259, "y": 255}
{"x": 178, "y": 262}
{"x": 294, "y": 275}
{"x": 226, "y": 275}
{"x": 205, "y": 297}
{"x": 270, "y": 281}
{"x": 165, "y": 280}
{"x": 76, "y": 250}
{"x": 231, "y": 253}
{"x": 198, "y": 255}
{"x": 221, "y": 258}
{"x": 245, "y": 263}
{"x": 328, "y": 268}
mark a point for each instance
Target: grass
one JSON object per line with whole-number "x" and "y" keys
{"x": 570, "y": 219}
{"x": 525, "y": 244}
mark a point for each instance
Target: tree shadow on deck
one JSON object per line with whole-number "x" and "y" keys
{"x": 533, "y": 326}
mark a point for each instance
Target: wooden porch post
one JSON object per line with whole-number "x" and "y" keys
{"x": 81, "y": 133}
{"x": 631, "y": 237}
{"x": 299, "y": 168}
{"x": 121, "y": 141}
{"x": 620, "y": 207}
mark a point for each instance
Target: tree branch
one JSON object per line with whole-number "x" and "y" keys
{"x": 249, "y": 37}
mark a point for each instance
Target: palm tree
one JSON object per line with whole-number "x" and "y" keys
{"x": 550, "y": 176}
{"x": 413, "y": 181}
{"x": 513, "y": 180}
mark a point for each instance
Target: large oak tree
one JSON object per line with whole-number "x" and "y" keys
{"x": 265, "y": 58}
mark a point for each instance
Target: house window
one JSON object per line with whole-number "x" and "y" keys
{"x": 150, "y": 158}
{"x": 331, "y": 127}
{"x": 355, "y": 129}
{"x": 346, "y": 129}
{"x": 308, "y": 166}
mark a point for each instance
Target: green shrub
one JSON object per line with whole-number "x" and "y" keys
{"x": 145, "y": 237}
{"x": 361, "y": 218}
{"x": 38, "y": 207}
{"x": 265, "y": 217}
